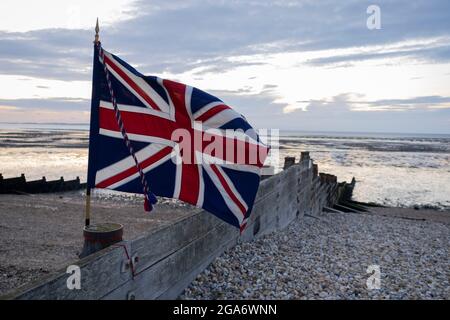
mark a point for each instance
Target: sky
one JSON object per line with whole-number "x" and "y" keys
{"x": 309, "y": 65}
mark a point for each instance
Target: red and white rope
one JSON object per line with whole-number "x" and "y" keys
{"x": 146, "y": 189}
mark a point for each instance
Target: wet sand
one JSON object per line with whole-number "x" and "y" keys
{"x": 413, "y": 214}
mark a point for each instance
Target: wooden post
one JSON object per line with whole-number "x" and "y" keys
{"x": 288, "y": 161}
{"x": 87, "y": 220}
{"x": 322, "y": 177}
{"x": 304, "y": 155}
{"x": 87, "y": 217}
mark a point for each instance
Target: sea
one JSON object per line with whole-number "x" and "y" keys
{"x": 393, "y": 169}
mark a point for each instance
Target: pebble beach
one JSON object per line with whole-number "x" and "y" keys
{"x": 327, "y": 257}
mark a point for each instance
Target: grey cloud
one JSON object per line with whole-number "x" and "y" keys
{"x": 180, "y": 35}
{"x": 337, "y": 115}
{"x": 436, "y": 54}
{"x": 417, "y": 101}
{"x": 346, "y": 100}
{"x": 52, "y": 54}
{"x": 56, "y": 104}
{"x": 270, "y": 86}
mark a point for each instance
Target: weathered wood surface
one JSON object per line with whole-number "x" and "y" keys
{"x": 163, "y": 262}
{"x": 21, "y": 185}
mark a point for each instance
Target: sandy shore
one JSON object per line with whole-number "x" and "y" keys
{"x": 327, "y": 258}
{"x": 40, "y": 234}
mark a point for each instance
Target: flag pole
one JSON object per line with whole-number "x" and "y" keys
{"x": 96, "y": 235}
{"x": 87, "y": 220}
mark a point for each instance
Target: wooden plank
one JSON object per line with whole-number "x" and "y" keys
{"x": 328, "y": 209}
{"x": 153, "y": 282}
{"x": 346, "y": 209}
{"x": 171, "y": 238}
{"x": 100, "y": 273}
{"x": 354, "y": 206}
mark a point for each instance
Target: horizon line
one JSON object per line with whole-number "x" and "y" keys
{"x": 289, "y": 130}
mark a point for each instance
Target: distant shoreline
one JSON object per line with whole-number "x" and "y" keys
{"x": 283, "y": 132}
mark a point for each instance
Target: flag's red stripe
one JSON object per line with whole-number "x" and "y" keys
{"x": 249, "y": 154}
{"x": 137, "y": 123}
{"x": 190, "y": 183}
{"x": 228, "y": 189}
{"x": 154, "y": 126}
{"x": 132, "y": 170}
{"x": 177, "y": 92}
{"x": 131, "y": 83}
{"x": 212, "y": 112}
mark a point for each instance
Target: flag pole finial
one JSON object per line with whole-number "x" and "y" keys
{"x": 97, "y": 29}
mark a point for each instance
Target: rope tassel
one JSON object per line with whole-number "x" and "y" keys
{"x": 150, "y": 198}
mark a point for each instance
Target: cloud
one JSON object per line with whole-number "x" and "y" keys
{"x": 338, "y": 114}
{"x": 426, "y": 50}
{"x": 25, "y": 15}
{"x": 51, "y": 54}
{"x": 50, "y": 110}
{"x": 181, "y": 35}
{"x": 9, "y": 107}
{"x": 61, "y": 105}
{"x": 351, "y": 102}
{"x": 425, "y": 102}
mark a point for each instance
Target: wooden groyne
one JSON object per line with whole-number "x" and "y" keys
{"x": 19, "y": 185}
{"x": 161, "y": 263}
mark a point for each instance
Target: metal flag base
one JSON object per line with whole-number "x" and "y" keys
{"x": 99, "y": 236}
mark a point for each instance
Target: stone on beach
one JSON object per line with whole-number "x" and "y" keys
{"x": 328, "y": 259}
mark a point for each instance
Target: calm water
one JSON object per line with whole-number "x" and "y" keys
{"x": 392, "y": 169}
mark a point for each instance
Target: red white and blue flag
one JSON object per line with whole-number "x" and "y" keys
{"x": 159, "y": 137}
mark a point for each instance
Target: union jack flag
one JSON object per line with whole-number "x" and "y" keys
{"x": 135, "y": 146}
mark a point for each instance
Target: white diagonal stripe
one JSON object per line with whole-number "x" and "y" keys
{"x": 137, "y": 137}
{"x": 136, "y": 175}
{"x": 127, "y": 162}
{"x": 139, "y": 82}
{"x": 233, "y": 188}
{"x": 178, "y": 170}
{"x": 229, "y": 202}
{"x": 221, "y": 118}
{"x": 228, "y": 164}
{"x": 135, "y": 109}
{"x": 187, "y": 100}
{"x": 208, "y": 107}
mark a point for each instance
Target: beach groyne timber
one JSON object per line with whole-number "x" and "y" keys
{"x": 162, "y": 263}
{"x": 20, "y": 185}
